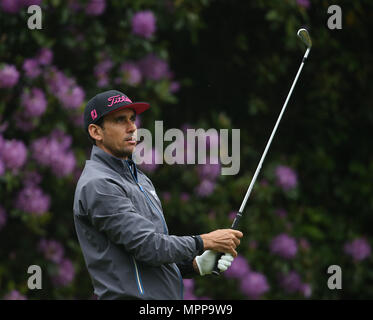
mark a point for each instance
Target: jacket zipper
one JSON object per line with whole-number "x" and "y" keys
{"x": 181, "y": 282}
{"x": 138, "y": 278}
{"x": 151, "y": 202}
{"x": 165, "y": 230}
{"x": 160, "y": 215}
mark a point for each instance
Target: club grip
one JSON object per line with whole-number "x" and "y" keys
{"x": 216, "y": 271}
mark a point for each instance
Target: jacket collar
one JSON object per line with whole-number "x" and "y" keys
{"x": 97, "y": 154}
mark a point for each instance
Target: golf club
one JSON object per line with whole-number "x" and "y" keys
{"x": 305, "y": 37}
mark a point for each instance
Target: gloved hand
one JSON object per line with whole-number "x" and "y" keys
{"x": 206, "y": 262}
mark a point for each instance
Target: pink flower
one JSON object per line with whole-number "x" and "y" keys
{"x": 10, "y": 6}
{"x": 286, "y": 177}
{"x": 284, "y": 246}
{"x": 101, "y": 72}
{"x": 254, "y": 285}
{"x": 304, "y": 3}
{"x": 132, "y": 73}
{"x": 64, "y": 88}
{"x": 32, "y": 199}
{"x": 31, "y": 178}
{"x": 144, "y": 24}
{"x": 359, "y": 249}
{"x": 54, "y": 151}
{"x": 31, "y": 68}
{"x": 65, "y": 274}
{"x": 14, "y": 295}
{"x": 52, "y": 249}
{"x": 188, "y": 289}
{"x": 30, "y": 2}
{"x": 95, "y": 7}
{"x": 154, "y": 68}
{"x": 23, "y": 121}
{"x": 188, "y": 284}
{"x": 189, "y": 296}
{"x": 232, "y": 215}
{"x": 72, "y": 98}
{"x": 205, "y": 188}
{"x": 209, "y": 171}
{"x": 238, "y": 269}
{"x": 174, "y": 86}
{"x": 34, "y": 102}
{"x": 2, "y": 167}
{"x": 290, "y": 282}
{"x": 8, "y": 76}
{"x": 184, "y": 197}
{"x": 306, "y": 290}
{"x": 45, "y": 56}
{"x": 14, "y": 154}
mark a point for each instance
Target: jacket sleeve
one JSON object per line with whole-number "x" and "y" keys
{"x": 112, "y": 212}
{"x": 186, "y": 269}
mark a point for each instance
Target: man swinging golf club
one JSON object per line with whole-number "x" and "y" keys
{"x": 119, "y": 221}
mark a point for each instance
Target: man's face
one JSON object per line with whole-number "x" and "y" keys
{"x": 118, "y": 136}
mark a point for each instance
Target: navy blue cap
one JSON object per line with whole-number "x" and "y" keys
{"x": 107, "y": 102}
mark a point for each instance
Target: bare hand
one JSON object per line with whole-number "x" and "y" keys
{"x": 222, "y": 240}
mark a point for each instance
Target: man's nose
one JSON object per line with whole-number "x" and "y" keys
{"x": 131, "y": 127}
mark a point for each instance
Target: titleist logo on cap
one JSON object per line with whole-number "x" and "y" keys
{"x": 117, "y": 99}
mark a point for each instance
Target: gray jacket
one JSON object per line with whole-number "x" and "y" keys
{"x": 123, "y": 234}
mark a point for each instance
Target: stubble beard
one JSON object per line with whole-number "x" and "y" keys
{"x": 123, "y": 153}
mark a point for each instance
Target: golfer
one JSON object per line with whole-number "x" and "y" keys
{"x": 119, "y": 221}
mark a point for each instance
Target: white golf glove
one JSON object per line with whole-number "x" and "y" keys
{"x": 206, "y": 262}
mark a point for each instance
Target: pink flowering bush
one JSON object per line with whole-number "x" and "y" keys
{"x": 144, "y": 24}
{"x": 311, "y": 204}
{"x": 9, "y": 75}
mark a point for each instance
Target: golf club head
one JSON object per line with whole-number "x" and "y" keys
{"x": 305, "y": 37}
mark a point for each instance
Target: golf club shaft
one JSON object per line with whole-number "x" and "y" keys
{"x": 272, "y": 135}
{"x": 248, "y": 192}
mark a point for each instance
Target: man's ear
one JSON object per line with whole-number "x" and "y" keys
{"x": 95, "y": 132}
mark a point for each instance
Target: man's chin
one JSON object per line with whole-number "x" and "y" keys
{"x": 124, "y": 153}
{"x": 127, "y": 152}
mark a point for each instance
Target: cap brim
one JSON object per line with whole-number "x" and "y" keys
{"x": 138, "y": 107}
